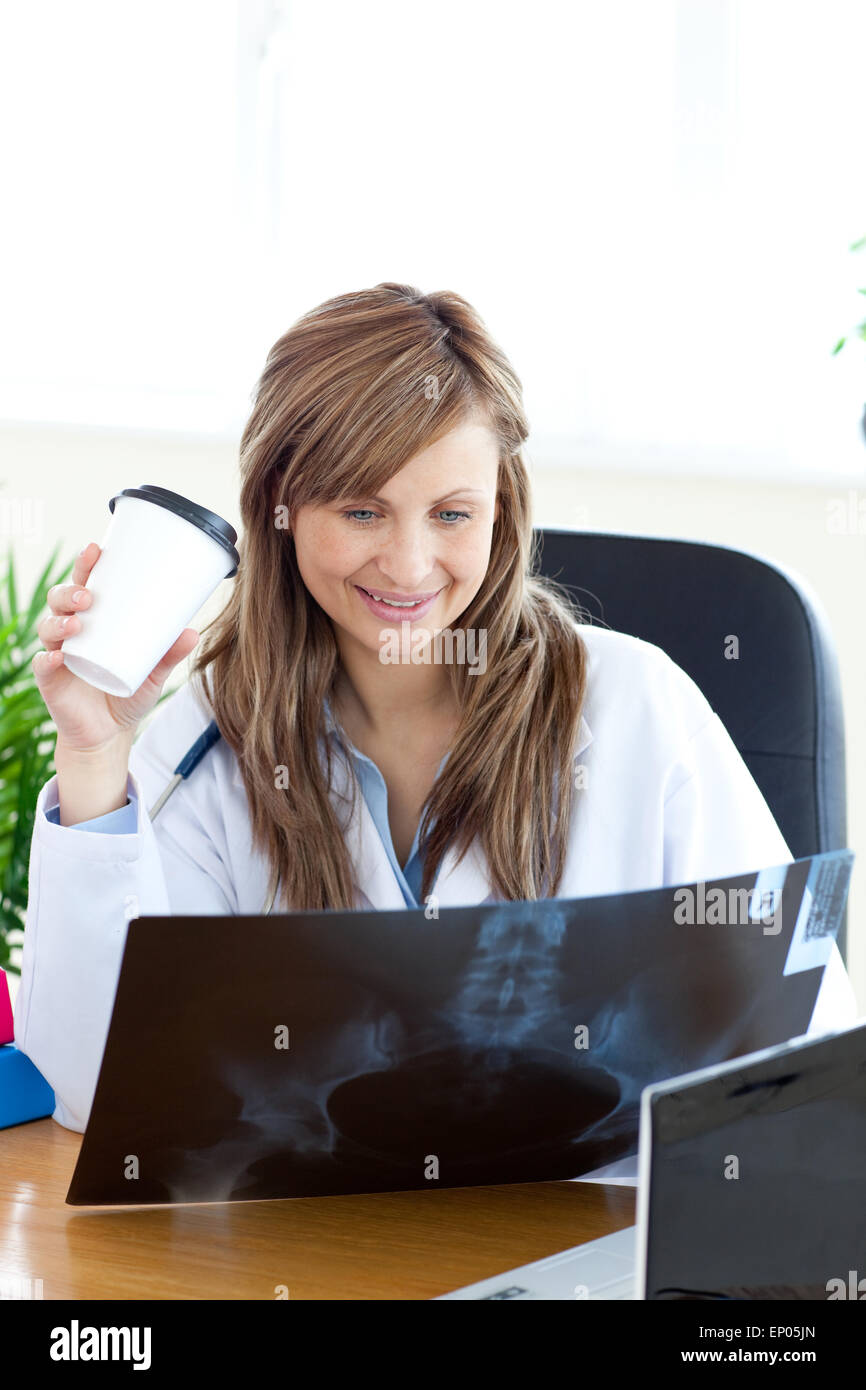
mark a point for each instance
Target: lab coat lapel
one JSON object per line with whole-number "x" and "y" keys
{"x": 456, "y": 884}
{"x": 374, "y": 877}
{"x": 466, "y": 882}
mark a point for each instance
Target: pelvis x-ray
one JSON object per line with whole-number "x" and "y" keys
{"x": 322, "y": 1053}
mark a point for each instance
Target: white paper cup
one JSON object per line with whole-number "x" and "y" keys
{"x": 162, "y": 557}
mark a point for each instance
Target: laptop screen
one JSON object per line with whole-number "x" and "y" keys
{"x": 757, "y": 1178}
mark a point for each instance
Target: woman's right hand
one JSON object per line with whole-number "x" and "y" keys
{"x": 90, "y": 720}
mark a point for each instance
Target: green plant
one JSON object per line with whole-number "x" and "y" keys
{"x": 27, "y": 738}
{"x": 860, "y": 330}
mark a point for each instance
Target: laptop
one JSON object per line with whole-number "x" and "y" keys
{"x": 752, "y": 1185}
{"x": 317, "y": 1053}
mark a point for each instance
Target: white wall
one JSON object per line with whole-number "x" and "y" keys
{"x": 57, "y": 481}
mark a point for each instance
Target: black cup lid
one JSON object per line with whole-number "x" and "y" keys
{"x": 218, "y": 529}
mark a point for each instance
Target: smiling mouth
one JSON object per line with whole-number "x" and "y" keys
{"x": 397, "y": 603}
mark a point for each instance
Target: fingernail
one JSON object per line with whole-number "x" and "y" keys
{"x": 78, "y": 596}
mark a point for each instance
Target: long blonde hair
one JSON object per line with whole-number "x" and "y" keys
{"x": 346, "y": 398}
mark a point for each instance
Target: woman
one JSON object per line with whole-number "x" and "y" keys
{"x": 383, "y": 491}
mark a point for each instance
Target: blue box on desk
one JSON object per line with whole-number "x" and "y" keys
{"x": 24, "y": 1092}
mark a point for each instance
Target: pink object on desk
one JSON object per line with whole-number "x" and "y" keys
{"x": 7, "y": 1032}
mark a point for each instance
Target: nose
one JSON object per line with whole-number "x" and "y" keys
{"x": 406, "y": 558}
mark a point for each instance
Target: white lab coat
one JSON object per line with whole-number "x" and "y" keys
{"x": 667, "y": 799}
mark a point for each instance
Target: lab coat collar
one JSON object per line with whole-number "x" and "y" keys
{"x": 456, "y": 884}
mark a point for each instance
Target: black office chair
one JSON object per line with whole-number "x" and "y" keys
{"x": 780, "y": 701}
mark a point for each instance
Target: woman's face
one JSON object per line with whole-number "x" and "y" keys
{"x": 426, "y": 537}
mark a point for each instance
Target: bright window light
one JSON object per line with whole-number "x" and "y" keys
{"x": 650, "y": 204}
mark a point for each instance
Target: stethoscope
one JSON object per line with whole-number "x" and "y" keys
{"x": 188, "y": 763}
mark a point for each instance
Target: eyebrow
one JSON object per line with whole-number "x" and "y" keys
{"x": 381, "y": 502}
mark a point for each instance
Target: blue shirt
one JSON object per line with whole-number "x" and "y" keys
{"x": 124, "y": 820}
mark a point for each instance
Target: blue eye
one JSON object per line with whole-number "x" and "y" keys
{"x": 364, "y": 516}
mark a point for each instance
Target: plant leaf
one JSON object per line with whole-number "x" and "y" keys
{"x": 10, "y": 588}
{"x": 40, "y": 593}
{"x": 27, "y": 741}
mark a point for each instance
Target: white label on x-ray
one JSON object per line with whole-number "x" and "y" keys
{"x": 820, "y": 913}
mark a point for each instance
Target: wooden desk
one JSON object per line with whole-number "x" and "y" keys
{"x": 406, "y": 1245}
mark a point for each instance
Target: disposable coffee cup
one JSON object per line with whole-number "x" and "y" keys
{"x": 162, "y": 558}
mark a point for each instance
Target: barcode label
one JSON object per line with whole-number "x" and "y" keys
{"x": 828, "y": 901}
{"x": 820, "y": 912}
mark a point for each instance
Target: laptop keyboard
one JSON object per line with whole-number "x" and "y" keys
{"x": 598, "y": 1269}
